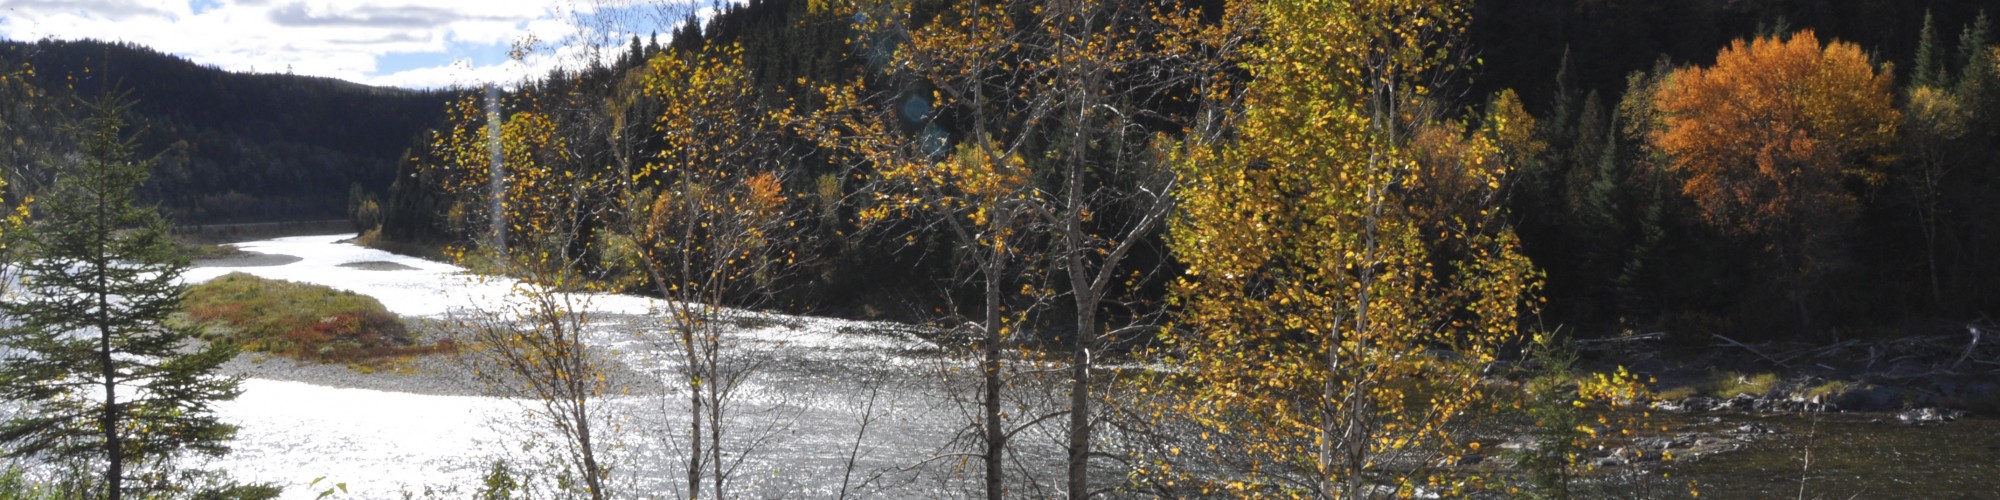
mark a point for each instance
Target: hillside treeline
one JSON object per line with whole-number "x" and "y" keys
{"x": 232, "y": 147}
{"x": 1599, "y": 205}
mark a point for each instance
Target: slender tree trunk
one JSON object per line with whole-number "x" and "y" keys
{"x": 715, "y": 420}
{"x": 1359, "y": 419}
{"x": 1329, "y": 430}
{"x": 996, "y": 437}
{"x": 1928, "y": 221}
{"x": 1086, "y": 297}
{"x": 592, "y": 474}
{"x": 114, "y": 444}
{"x": 694, "y": 411}
{"x": 1079, "y": 401}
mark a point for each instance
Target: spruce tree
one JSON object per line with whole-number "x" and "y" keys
{"x": 1929, "y": 64}
{"x": 101, "y": 375}
{"x": 1976, "y": 68}
{"x": 1972, "y": 51}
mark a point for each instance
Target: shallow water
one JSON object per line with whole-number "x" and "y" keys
{"x": 1856, "y": 456}
{"x": 805, "y": 406}
{"x": 802, "y": 409}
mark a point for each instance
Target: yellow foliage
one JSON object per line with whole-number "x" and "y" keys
{"x": 1342, "y": 241}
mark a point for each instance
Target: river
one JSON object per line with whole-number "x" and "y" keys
{"x": 820, "y": 378}
{"x": 801, "y": 411}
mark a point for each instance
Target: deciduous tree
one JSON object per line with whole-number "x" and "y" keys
{"x": 533, "y": 346}
{"x": 713, "y": 229}
{"x": 1767, "y": 140}
{"x": 1349, "y": 270}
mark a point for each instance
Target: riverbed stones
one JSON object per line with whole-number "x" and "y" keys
{"x": 1755, "y": 429}
{"x": 1928, "y": 416}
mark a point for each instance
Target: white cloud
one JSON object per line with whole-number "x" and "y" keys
{"x": 347, "y": 39}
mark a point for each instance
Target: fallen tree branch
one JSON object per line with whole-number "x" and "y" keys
{"x": 1627, "y": 338}
{"x": 1969, "y": 347}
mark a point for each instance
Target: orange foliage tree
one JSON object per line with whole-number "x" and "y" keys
{"x": 1767, "y": 140}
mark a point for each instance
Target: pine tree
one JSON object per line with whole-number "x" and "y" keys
{"x": 103, "y": 376}
{"x": 1929, "y": 65}
{"x": 1976, "y": 66}
{"x": 1972, "y": 42}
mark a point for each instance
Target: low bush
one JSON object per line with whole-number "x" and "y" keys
{"x": 299, "y": 320}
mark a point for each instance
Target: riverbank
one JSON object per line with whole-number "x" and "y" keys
{"x": 817, "y": 378}
{"x": 1949, "y": 372}
{"x": 431, "y": 375}
{"x": 216, "y": 234}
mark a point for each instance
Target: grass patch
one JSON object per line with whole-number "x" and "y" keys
{"x": 301, "y": 321}
{"x": 1728, "y": 384}
{"x": 1678, "y": 393}
{"x": 1828, "y": 389}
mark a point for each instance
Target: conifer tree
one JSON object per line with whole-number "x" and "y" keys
{"x": 1972, "y": 42}
{"x": 1928, "y": 62}
{"x": 89, "y": 352}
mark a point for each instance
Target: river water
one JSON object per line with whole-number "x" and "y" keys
{"x": 799, "y": 415}
{"x": 819, "y": 379}
{"x": 1853, "y": 456}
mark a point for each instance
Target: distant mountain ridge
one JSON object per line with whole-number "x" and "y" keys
{"x": 243, "y": 147}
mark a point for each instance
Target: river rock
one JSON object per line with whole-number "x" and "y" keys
{"x": 1690, "y": 404}
{"x": 1522, "y": 442}
{"x": 1928, "y": 416}
{"x": 1868, "y": 397}
{"x": 1755, "y": 428}
{"x": 1743, "y": 402}
{"x": 1663, "y": 443}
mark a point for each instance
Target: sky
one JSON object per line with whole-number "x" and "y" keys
{"x": 398, "y": 43}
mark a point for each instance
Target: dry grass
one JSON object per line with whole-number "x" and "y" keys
{"x": 301, "y": 321}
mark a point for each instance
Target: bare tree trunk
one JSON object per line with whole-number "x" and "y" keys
{"x": 1329, "y": 429}
{"x": 1086, "y": 297}
{"x": 996, "y": 437}
{"x": 694, "y": 414}
{"x": 1927, "y": 219}
{"x": 593, "y": 476}
{"x": 715, "y": 419}
{"x": 1079, "y": 403}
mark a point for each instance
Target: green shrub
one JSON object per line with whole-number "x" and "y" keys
{"x": 300, "y": 320}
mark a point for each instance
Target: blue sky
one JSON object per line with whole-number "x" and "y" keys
{"x": 404, "y": 43}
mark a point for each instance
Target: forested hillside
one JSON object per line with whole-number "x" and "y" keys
{"x": 1169, "y": 248}
{"x": 234, "y": 147}
{"x": 1598, "y": 204}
